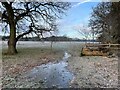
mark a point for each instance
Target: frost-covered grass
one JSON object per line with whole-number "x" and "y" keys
{"x": 89, "y": 71}
{"x": 31, "y": 54}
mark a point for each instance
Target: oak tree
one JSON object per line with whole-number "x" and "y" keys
{"x": 23, "y": 18}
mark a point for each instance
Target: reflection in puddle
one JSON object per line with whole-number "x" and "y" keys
{"x": 52, "y": 74}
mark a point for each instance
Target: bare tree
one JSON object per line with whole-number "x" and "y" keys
{"x": 23, "y": 18}
{"x": 85, "y": 32}
{"x": 105, "y": 21}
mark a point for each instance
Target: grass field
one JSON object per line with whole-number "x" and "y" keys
{"x": 36, "y": 53}
{"x": 88, "y": 71}
{"x": 31, "y": 54}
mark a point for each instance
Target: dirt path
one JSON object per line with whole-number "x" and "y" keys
{"x": 93, "y": 72}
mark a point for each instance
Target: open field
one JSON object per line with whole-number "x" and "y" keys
{"x": 33, "y": 54}
{"x": 36, "y": 52}
{"x": 88, "y": 71}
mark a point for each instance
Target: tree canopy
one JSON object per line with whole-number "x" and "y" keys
{"x": 105, "y": 22}
{"x": 30, "y": 17}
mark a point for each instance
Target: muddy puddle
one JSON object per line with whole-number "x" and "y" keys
{"x": 52, "y": 74}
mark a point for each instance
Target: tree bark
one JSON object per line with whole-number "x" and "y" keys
{"x": 12, "y": 25}
{"x": 12, "y": 41}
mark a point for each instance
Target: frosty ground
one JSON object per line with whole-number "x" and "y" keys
{"x": 88, "y": 71}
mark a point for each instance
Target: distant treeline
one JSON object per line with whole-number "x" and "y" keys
{"x": 52, "y": 38}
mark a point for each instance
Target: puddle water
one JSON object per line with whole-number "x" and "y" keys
{"x": 52, "y": 74}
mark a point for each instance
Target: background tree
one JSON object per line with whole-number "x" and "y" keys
{"x": 105, "y": 20}
{"x": 84, "y": 31}
{"x": 115, "y": 14}
{"x": 98, "y": 20}
{"x": 23, "y": 18}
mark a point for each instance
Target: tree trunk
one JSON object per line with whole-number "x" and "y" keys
{"x": 12, "y": 41}
{"x": 51, "y": 45}
{"x": 12, "y": 24}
